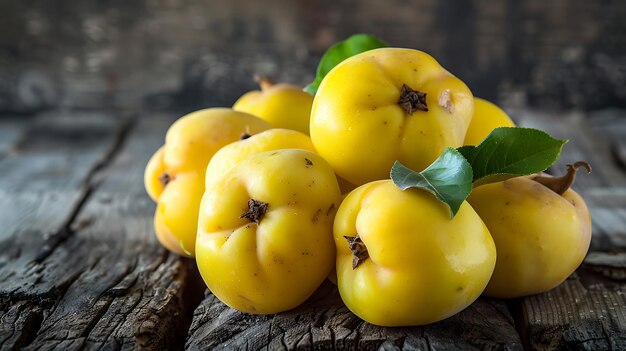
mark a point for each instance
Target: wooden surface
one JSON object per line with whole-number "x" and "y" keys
{"x": 80, "y": 266}
{"x": 323, "y": 322}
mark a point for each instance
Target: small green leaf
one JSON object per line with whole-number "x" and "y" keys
{"x": 511, "y": 152}
{"x": 340, "y": 51}
{"x": 449, "y": 178}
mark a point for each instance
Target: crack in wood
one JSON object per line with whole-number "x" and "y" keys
{"x": 323, "y": 322}
{"x": 89, "y": 185}
{"x": 109, "y": 286}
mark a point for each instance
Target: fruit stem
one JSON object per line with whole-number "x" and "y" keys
{"x": 256, "y": 210}
{"x": 561, "y": 184}
{"x": 357, "y": 246}
{"x": 245, "y": 135}
{"x": 412, "y": 100}
{"x": 265, "y": 82}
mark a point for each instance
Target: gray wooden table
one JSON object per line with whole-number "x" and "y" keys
{"x": 80, "y": 266}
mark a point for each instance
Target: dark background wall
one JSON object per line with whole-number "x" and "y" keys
{"x": 152, "y": 54}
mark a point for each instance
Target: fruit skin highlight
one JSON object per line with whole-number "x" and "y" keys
{"x": 541, "y": 236}
{"x": 363, "y": 119}
{"x": 282, "y": 105}
{"x": 174, "y": 176}
{"x": 421, "y": 266}
{"x": 265, "y": 240}
{"x": 269, "y": 140}
{"x": 487, "y": 117}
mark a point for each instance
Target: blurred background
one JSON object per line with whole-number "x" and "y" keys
{"x": 183, "y": 55}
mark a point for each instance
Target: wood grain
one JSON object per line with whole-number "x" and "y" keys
{"x": 586, "y": 312}
{"x": 121, "y": 288}
{"x": 323, "y": 322}
{"x": 42, "y": 184}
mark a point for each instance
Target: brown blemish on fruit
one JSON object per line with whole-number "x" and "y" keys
{"x": 412, "y": 100}
{"x": 445, "y": 101}
{"x": 330, "y": 209}
{"x": 165, "y": 178}
{"x": 308, "y": 162}
{"x": 316, "y": 216}
{"x": 244, "y": 136}
{"x": 256, "y": 210}
{"x": 561, "y": 184}
{"x": 359, "y": 251}
{"x": 251, "y": 303}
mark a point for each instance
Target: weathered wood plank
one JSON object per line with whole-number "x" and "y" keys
{"x": 586, "y": 312}
{"x": 43, "y": 181}
{"x": 10, "y": 130}
{"x": 124, "y": 290}
{"x": 612, "y": 123}
{"x": 323, "y": 322}
{"x": 41, "y": 186}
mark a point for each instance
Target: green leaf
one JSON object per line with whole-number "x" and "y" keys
{"x": 449, "y": 178}
{"x": 511, "y": 152}
{"x": 340, "y": 51}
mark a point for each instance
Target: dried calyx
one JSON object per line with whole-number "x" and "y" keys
{"x": 265, "y": 82}
{"x": 359, "y": 251}
{"x": 412, "y": 100}
{"x": 560, "y": 184}
{"x": 165, "y": 178}
{"x": 256, "y": 210}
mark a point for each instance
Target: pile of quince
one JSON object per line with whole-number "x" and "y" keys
{"x": 289, "y": 188}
